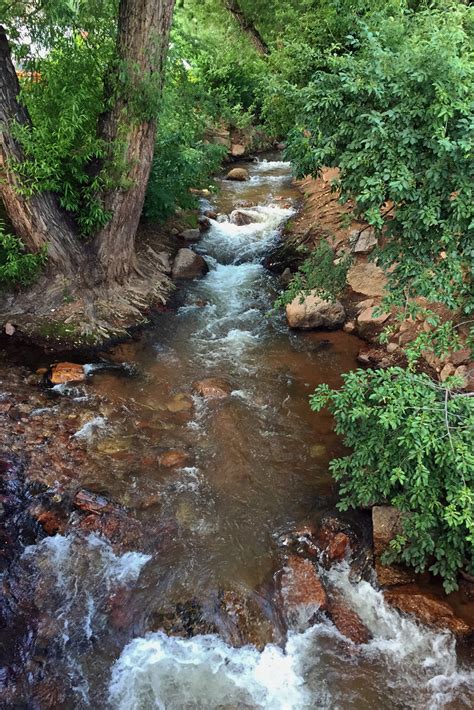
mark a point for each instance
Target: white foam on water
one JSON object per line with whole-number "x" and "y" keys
{"x": 204, "y": 673}
{"x": 410, "y": 665}
{"x": 90, "y": 429}
{"x": 418, "y": 656}
{"x": 268, "y": 165}
{"x": 226, "y": 241}
{"x": 62, "y": 550}
{"x": 66, "y": 390}
{"x": 79, "y": 573}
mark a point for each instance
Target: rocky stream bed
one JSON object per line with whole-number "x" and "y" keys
{"x": 168, "y": 525}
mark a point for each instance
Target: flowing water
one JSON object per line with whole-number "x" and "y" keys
{"x": 254, "y": 466}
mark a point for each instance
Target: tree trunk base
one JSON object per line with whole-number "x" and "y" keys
{"x": 67, "y": 312}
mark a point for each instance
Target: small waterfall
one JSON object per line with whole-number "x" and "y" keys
{"x": 405, "y": 665}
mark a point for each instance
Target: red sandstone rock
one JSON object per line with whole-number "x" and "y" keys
{"x": 92, "y": 502}
{"x": 347, "y": 622}
{"x": 64, "y": 372}
{"x": 338, "y": 547}
{"x": 302, "y": 592}
{"x": 51, "y": 522}
{"x": 427, "y": 608}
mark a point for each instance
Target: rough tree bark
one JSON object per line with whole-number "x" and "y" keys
{"x": 142, "y": 43}
{"x": 37, "y": 220}
{"x": 248, "y": 27}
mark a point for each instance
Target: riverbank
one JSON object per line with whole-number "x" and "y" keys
{"x": 321, "y": 217}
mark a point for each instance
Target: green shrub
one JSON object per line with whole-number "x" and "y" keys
{"x": 317, "y": 273}
{"x": 16, "y": 265}
{"x": 411, "y": 442}
{"x": 395, "y": 114}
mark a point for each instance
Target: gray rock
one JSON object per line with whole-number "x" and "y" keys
{"x": 363, "y": 242}
{"x": 241, "y": 218}
{"x": 188, "y": 265}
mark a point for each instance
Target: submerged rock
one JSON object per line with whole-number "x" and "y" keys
{"x": 188, "y": 265}
{"x": 173, "y": 458}
{"x": 64, "y": 372}
{"x": 212, "y": 388}
{"x": 92, "y": 502}
{"x": 307, "y": 312}
{"x": 238, "y": 174}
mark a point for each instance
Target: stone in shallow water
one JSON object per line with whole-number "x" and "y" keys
{"x": 238, "y": 174}
{"x": 302, "y": 592}
{"x": 179, "y": 403}
{"x": 188, "y": 265}
{"x": 347, "y": 622}
{"x": 317, "y": 451}
{"x": 173, "y": 458}
{"x": 212, "y": 388}
{"x": 64, "y": 372}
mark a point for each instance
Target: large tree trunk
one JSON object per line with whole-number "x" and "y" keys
{"x": 248, "y": 27}
{"x": 142, "y": 43}
{"x": 37, "y": 220}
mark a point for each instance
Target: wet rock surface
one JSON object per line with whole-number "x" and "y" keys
{"x": 212, "y": 388}
{"x": 428, "y": 609}
{"x": 65, "y": 372}
{"x": 302, "y": 593}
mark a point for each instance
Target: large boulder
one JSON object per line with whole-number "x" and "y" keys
{"x": 238, "y": 174}
{"x": 313, "y": 312}
{"x": 367, "y": 279}
{"x": 188, "y": 265}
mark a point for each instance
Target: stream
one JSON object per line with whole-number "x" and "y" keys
{"x": 181, "y": 615}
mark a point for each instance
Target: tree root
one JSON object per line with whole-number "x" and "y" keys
{"x": 66, "y": 312}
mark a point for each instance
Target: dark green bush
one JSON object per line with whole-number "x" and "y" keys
{"x": 411, "y": 442}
